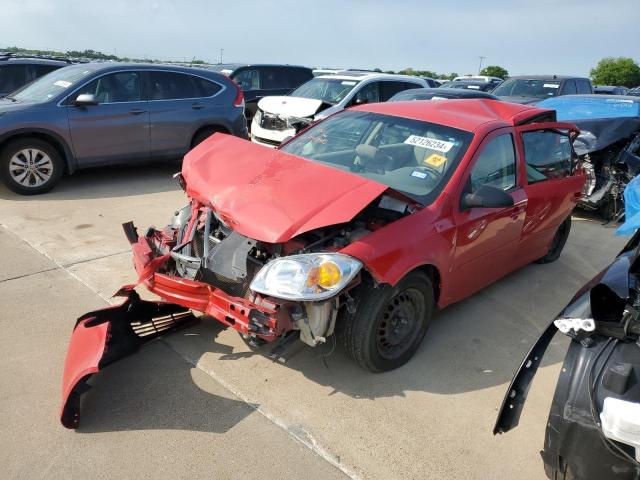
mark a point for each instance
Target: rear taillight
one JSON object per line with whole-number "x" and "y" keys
{"x": 239, "y": 100}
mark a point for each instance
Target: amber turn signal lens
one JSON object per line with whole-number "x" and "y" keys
{"x": 328, "y": 275}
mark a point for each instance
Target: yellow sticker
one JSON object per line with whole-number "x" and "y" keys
{"x": 435, "y": 160}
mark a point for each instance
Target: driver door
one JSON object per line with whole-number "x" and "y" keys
{"x": 487, "y": 238}
{"x": 117, "y": 128}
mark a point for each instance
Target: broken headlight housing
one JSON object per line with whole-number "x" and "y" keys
{"x": 306, "y": 277}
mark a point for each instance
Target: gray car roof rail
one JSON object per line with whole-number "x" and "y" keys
{"x": 5, "y": 56}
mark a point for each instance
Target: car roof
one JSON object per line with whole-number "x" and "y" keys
{"x": 546, "y": 77}
{"x": 235, "y": 66}
{"x": 362, "y": 75}
{"x": 442, "y": 91}
{"x": 465, "y": 114}
{"x": 32, "y": 61}
{"x": 106, "y": 66}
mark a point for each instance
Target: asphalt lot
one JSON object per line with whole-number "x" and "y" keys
{"x": 198, "y": 403}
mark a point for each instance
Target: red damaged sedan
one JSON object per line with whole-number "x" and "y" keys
{"x": 361, "y": 226}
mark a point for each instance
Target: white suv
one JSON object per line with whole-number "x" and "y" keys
{"x": 279, "y": 118}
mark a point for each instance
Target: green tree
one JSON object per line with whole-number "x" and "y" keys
{"x": 494, "y": 71}
{"x": 622, "y": 71}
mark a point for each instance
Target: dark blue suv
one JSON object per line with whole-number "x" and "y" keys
{"x": 95, "y": 114}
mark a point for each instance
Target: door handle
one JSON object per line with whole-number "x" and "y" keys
{"x": 137, "y": 111}
{"x": 197, "y": 106}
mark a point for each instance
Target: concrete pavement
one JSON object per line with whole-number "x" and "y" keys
{"x": 429, "y": 419}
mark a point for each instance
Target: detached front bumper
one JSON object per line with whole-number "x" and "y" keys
{"x": 105, "y": 336}
{"x": 264, "y": 319}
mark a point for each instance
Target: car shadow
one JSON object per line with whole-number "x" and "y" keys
{"x": 154, "y": 390}
{"x": 473, "y": 345}
{"x": 107, "y": 182}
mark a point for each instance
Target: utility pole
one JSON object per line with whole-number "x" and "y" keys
{"x": 480, "y": 67}
{"x": 221, "y": 50}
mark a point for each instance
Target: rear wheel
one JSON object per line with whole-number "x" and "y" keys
{"x": 389, "y": 323}
{"x": 558, "y": 242}
{"x": 30, "y": 166}
{"x": 203, "y": 134}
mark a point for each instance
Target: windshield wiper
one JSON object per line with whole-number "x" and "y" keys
{"x": 10, "y": 98}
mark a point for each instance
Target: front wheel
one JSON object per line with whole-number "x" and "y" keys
{"x": 389, "y": 323}
{"x": 30, "y": 166}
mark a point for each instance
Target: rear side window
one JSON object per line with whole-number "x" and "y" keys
{"x": 248, "y": 79}
{"x": 584, "y": 86}
{"x": 297, "y": 76}
{"x": 205, "y": 87}
{"x": 569, "y": 88}
{"x": 547, "y": 154}
{"x": 12, "y": 77}
{"x": 273, "y": 78}
{"x": 172, "y": 86}
{"x": 496, "y": 165}
{"x": 389, "y": 89}
{"x": 370, "y": 93}
{"x": 114, "y": 88}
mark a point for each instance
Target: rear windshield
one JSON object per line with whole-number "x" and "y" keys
{"x": 413, "y": 157}
{"x": 328, "y": 90}
{"x": 518, "y": 87}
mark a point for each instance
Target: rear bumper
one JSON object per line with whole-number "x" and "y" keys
{"x": 264, "y": 320}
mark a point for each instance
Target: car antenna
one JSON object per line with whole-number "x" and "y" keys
{"x": 192, "y": 60}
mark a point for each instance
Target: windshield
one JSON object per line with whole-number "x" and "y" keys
{"x": 52, "y": 84}
{"x": 411, "y": 156}
{"x": 328, "y": 90}
{"x": 520, "y": 87}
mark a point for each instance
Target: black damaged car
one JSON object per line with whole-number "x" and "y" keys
{"x": 593, "y": 429}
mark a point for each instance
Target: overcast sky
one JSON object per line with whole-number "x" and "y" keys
{"x": 536, "y": 36}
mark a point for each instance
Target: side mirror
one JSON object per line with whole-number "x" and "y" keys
{"x": 487, "y": 197}
{"x": 85, "y": 100}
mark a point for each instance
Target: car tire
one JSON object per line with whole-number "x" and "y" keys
{"x": 202, "y": 135}
{"x": 43, "y": 166}
{"x": 388, "y": 323}
{"x": 558, "y": 242}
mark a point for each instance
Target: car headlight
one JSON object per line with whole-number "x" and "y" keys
{"x": 309, "y": 276}
{"x": 258, "y": 116}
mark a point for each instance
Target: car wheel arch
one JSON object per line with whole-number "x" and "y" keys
{"x": 52, "y": 138}
{"x": 392, "y": 278}
{"x": 214, "y": 128}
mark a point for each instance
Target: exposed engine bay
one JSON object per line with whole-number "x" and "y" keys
{"x": 203, "y": 248}
{"x": 608, "y": 172}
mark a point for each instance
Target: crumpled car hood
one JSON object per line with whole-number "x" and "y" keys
{"x": 269, "y": 195}
{"x": 290, "y": 106}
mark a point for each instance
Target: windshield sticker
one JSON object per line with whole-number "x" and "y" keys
{"x": 418, "y": 174}
{"x": 431, "y": 143}
{"x": 347, "y": 83}
{"x": 551, "y": 85}
{"x": 435, "y": 160}
{"x": 435, "y": 97}
{"x": 62, "y": 83}
{"x": 473, "y": 87}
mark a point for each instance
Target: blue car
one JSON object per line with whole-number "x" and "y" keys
{"x": 97, "y": 114}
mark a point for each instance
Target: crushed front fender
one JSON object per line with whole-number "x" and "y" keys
{"x": 105, "y": 336}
